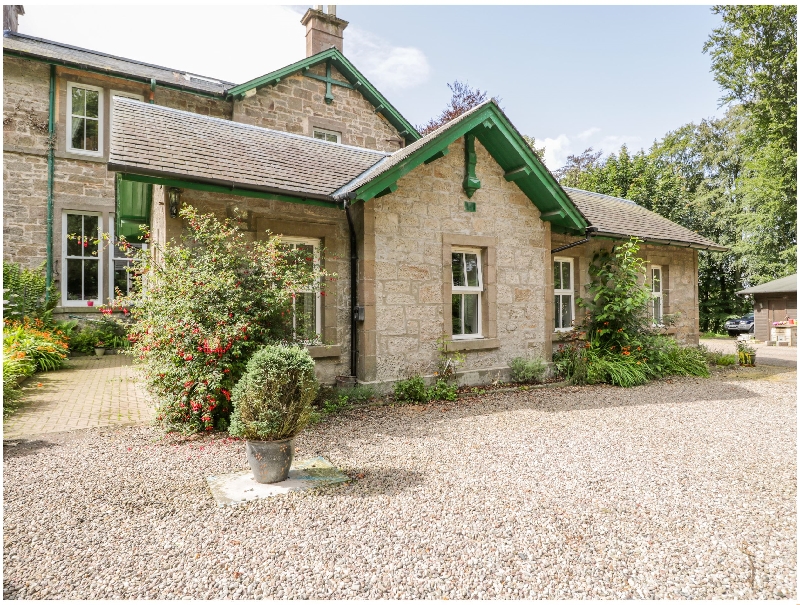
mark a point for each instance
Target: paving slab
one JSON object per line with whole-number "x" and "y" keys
{"x": 87, "y": 392}
{"x": 240, "y": 487}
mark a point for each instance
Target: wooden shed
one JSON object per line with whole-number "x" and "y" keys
{"x": 773, "y": 302}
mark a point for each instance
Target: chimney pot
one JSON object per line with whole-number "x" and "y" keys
{"x": 323, "y": 30}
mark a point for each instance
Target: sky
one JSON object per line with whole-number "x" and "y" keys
{"x": 570, "y": 76}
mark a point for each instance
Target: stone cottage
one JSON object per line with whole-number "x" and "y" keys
{"x": 461, "y": 236}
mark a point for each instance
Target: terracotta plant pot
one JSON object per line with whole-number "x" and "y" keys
{"x": 99, "y": 352}
{"x": 270, "y": 461}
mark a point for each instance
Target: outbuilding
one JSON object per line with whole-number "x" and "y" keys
{"x": 775, "y": 303}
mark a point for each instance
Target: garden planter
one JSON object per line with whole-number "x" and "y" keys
{"x": 99, "y": 352}
{"x": 747, "y": 359}
{"x": 270, "y": 460}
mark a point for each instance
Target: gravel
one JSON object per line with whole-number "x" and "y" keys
{"x": 677, "y": 489}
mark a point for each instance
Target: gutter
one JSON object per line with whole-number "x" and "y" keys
{"x": 51, "y": 143}
{"x": 113, "y": 73}
{"x": 589, "y": 232}
{"x": 665, "y": 242}
{"x": 353, "y": 290}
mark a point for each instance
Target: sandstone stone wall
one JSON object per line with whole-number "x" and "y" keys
{"x": 679, "y": 268}
{"x": 259, "y": 216}
{"x": 407, "y": 276}
{"x": 297, "y": 104}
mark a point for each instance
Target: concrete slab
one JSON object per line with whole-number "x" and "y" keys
{"x": 240, "y": 487}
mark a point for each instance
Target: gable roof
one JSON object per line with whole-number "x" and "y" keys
{"x": 354, "y": 77}
{"x": 20, "y": 45}
{"x": 784, "y": 284}
{"x": 620, "y": 218}
{"x": 158, "y": 141}
{"x": 505, "y": 144}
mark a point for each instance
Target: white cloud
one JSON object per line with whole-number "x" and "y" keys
{"x": 559, "y": 148}
{"x": 388, "y": 67}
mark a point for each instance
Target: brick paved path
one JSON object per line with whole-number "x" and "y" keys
{"x": 87, "y": 392}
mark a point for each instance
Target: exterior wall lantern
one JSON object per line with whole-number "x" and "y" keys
{"x": 174, "y": 195}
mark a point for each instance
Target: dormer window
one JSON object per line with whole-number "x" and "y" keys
{"x": 327, "y": 135}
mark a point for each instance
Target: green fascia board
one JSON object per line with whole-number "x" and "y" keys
{"x": 197, "y": 186}
{"x": 354, "y": 77}
{"x": 509, "y": 150}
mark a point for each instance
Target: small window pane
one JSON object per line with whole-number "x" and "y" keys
{"x": 566, "y": 278}
{"x": 91, "y": 275}
{"x": 74, "y": 228}
{"x": 458, "y": 269}
{"x": 457, "y": 300}
{"x": 319, "y": 135}
{"x": 470, "y": 313}
{"x": 121, "y": 277}
{"x": 74, "y": 279}
{"x": 92, "y": 138}
{"x": 656, "y": 280}
{"x": 557, "y": 275}
{"x": 332, "y": 138}
{"x": 306, "y": 315}
{"x": 471, "y": 262}
{"x": 78, "y": 132}
{"x": 91, "y": 232}
{"x": 566, "y": 311}
{"x": 78, "y": 102}
{"x": 557, "y": 307}
{"x": 92, "y": 103}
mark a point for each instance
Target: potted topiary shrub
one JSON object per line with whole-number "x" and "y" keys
{"x": 271, "y": 405}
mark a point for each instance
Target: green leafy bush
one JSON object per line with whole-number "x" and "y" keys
{"x": 443, "y": 390}
{"x": 528, "y": 370}
{"x": 413, "y": 389}
{"x": 272, "y": 401}
{"x": 26, "y": 293}
{"x": 15, "y": 366}
{"x": 210, "y": 303}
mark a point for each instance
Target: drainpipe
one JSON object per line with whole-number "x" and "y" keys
{"x": 353, "y": 291}
{"x": 51, "y": 143}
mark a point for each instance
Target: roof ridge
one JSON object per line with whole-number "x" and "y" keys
{"x": 613, "y": 197}
{"x": 12, "y": 34}
{"x": 127, "y": 100}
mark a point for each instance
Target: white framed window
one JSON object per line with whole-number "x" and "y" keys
{"x": 84, "y": 119}
{"x": 327, "y": 135}
{"x": 656, "y": 288}
{"x": 305, "y": 322}
{"x": 466, "y": 293}
{"x": 564, "y": 290}
{"x": 119, "y": 277}
{"x": 81, "y": 278}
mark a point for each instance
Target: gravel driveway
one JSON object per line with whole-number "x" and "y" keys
{"x": 677, "y": 489}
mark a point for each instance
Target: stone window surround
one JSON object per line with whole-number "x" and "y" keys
{"x": 68, "y": 76}
{"x": 570, "y": 291}
{"x": 577, "y": 284}
{"x": 327, "y": 234}
{"x": 488, "y": 247}
{"x": 315, "y": 122}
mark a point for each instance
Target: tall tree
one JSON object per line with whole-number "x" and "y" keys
{"x": 463, "y": 98}
{"x": 569, "y": 174}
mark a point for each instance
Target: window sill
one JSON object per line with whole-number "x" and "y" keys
{"x": 322, "y": 351}
{"x": 472, "y": 344}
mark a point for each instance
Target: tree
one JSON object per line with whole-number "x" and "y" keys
{"x": 537, "y": 151}
{"x": 569, "y": 174}
{"x": 462, "y": 100}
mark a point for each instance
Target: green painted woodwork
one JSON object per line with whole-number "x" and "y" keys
{"x": 517, "y": 173}
{"x": 471, "y": 182}
{"x": 134, "y": 202}
{"x": 265, "y": 195}
{"x": 354, "y": 79}
{"x": 553, "y": 214}
{"x": 390, "y": 189}
{"x": 437, "y": 155}
{"x": 470, "y": 206}
{"x": 506, "y": 145}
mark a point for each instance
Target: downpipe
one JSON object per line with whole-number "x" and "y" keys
{"x": 353, "y": 291}
{"x": 51, "y": 143}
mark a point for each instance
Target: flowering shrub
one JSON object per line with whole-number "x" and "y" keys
{"x": 44, "y": 346}
{"x": 205, "y": 307}
{"x": 616, "y": 342}
{"x": 273, "y": 399}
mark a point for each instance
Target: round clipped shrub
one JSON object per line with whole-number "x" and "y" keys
{"x": 272, "y": 401}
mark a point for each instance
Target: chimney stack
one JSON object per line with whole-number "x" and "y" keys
{"x": 323, "y": 30}
{"x": 10, "y": 14}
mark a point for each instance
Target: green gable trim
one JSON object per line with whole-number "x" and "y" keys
{"x": 196, "y": 186}
{"x": 355, "y": 79}
{"x": 496, "y": 133}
